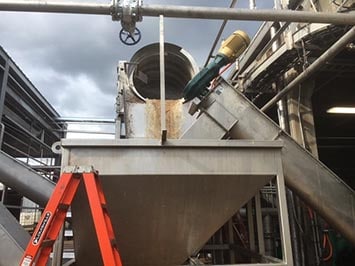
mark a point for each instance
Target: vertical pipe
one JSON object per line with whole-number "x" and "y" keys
{"x": 231, "y": 241}
{"x": 220, "y": 242}
{"x": 283, "y": 122}
{"x": 58, "y": 248}
{"x": 293, "y": 228}
{"x": 303, "y": 131}
{"x": 259, "y": 224}
{"x": 277, "y": 4}
{"x": 291, "y": 205}
{"x": 283, "y": 216}
{"x": 162, "y": 81}
{"x": 119, "y": 99}
{"x": 251, "y": 225}
{"x": 252, "y": 4}
{"x": 282, "y": 114}
{"x": 269, "y": 236}
{"x": 118, "y": 122}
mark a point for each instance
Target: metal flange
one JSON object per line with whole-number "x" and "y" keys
{"x": 128, "y": 12}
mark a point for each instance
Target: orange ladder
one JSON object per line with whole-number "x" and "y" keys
{"x": 52, "y": 219}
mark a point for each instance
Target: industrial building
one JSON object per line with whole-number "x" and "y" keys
{"x": 247, "y": 160}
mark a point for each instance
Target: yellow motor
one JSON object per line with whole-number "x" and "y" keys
{"x": 230, "y": 49}
{"x": 235, "y": 45}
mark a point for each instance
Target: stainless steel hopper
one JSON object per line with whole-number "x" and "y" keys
{"x": 165, "y": 201}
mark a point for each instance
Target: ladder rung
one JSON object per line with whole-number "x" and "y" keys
{"x": 77, "y": 175}
{"x": 113, "y": 242}
{"x": 62, "y": 210}
{"x": 63, "y": 206}
{"x": 47, "y": 243}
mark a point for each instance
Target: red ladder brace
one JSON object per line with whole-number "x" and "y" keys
{"x": 52, "y": 219}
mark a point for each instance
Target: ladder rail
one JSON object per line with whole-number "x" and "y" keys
{"x": 34, "y": 248}
{"x": 101, "y": 219}
{"x": 53, "y": 217}
{"x": 59, "y": 219}
{"x": 108, "y": 222}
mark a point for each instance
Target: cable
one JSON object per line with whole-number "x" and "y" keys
{"x": 232, "y": 5}
{"x": 213, "y": 85}
{"x": 330, "y": 246}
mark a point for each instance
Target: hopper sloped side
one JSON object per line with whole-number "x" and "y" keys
{"x": 162, "y": 220}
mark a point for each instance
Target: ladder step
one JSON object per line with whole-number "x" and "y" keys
{"x": 47, "y": 243}
{"x": 63, "y": 206}
{"x": 64, "y": 192}
{"x": 113, "y": 242}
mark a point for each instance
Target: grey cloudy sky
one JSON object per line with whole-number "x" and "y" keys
{"x": 72, "y": 59}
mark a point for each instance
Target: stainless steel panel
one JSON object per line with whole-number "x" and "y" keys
{"x": 166, "y": 201}
{"x": 318, "y": 186}
{"x": 13, "y": 238}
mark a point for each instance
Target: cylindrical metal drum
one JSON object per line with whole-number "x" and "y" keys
{"x": 144, "y": 74}
{"x": 142, "y": 95}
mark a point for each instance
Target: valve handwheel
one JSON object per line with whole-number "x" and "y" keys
{"x": 130, "y": 39}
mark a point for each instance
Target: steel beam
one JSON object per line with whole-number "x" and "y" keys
{"x": 254, "y": 48}
{"x": 253, "y": 70}
{"x": 311, "y": 180}
{"x": 27, "y": 108}
{"x": 9, "y": 115}
{"x": 316, "y": 65}
{"x": 3, "y": 87}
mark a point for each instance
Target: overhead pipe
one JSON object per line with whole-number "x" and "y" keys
{"x": 328, "y": 55}
{"x": 248, "y": 14}
{"x": 56, "y": 7}
{"x": 180, "y": 12}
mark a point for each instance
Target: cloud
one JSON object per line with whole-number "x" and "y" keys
{"x": 79, "y": 94}
{"x": 72, "y": 59}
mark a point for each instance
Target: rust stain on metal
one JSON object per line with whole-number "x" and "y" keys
{"x": 174, "y": 118}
